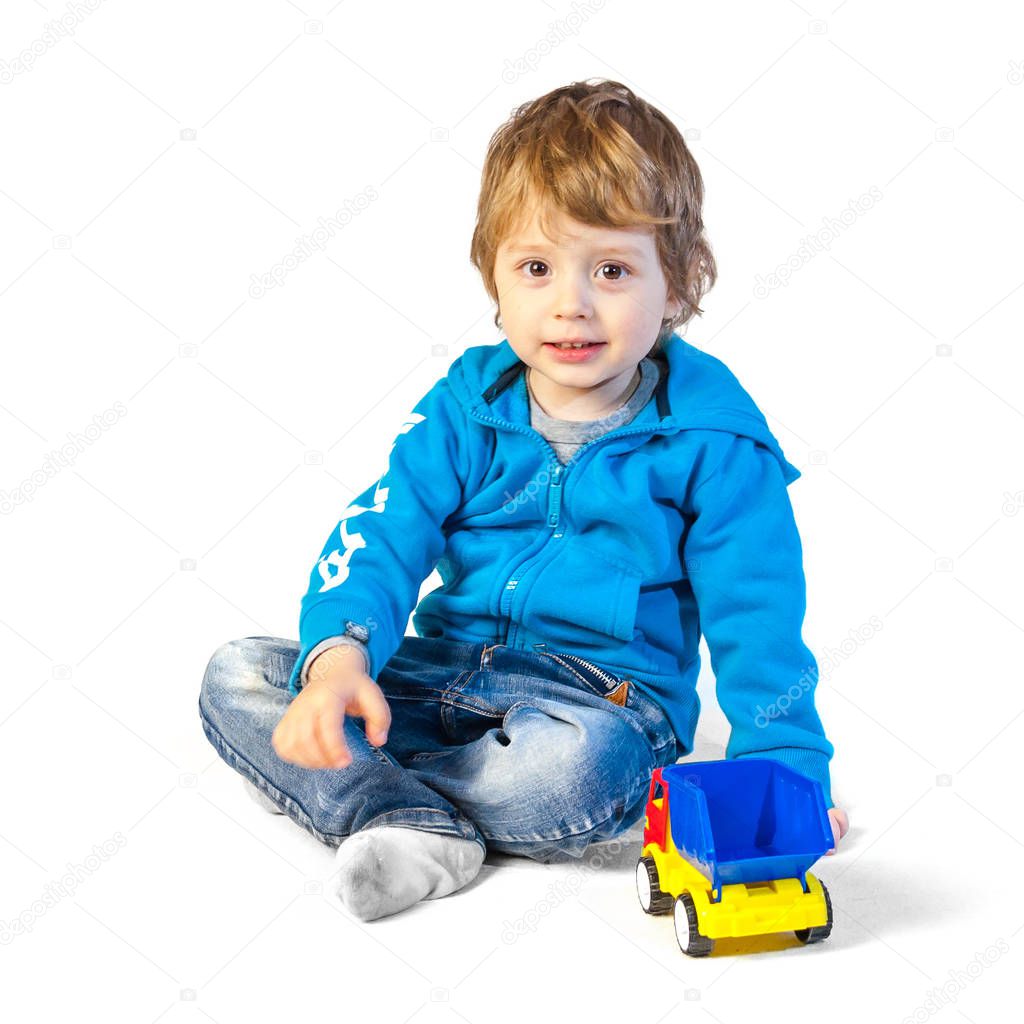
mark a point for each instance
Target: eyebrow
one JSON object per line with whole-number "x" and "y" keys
{"x": 630, "y": 250}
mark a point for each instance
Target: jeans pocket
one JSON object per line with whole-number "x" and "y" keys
{"x": 656, "y": 722}
{"x": 426, "y": 755}
{"x": 422, "y": 683}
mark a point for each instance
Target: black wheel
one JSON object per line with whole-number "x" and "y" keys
{"x": 652, "y": 899}
{"x": 690, "y": 940}
{"x": 821, "y": 931}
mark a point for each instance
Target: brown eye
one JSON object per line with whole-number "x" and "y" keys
{"x": 613, "y": 266}
{"x": 535, "y": 263}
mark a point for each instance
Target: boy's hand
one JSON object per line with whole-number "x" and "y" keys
{"x": 311, "y": 732}
{"x": 840, "y": 826}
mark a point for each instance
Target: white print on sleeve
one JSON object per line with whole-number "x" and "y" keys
{"x": 334, "y": 566}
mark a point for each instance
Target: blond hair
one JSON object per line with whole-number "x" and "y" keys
{"x": 597, "y": 152}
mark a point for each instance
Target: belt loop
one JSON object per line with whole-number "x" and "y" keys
{"x": 486, "y": 653}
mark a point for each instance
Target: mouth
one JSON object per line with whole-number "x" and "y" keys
{"x": 576, "y": 351}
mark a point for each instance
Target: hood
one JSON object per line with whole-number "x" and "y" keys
{"x": 699, "y": 392}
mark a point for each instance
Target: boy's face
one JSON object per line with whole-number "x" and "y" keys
{"x": 596, "y": 284}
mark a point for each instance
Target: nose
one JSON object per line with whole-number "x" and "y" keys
{"x": 572, "y": 300}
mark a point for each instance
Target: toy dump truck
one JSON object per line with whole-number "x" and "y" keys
{"x": 727, "y": 846}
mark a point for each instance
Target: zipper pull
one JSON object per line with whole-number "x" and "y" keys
{"x": 555, "y": 496}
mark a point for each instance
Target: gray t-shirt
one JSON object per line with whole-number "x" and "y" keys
{"x": 565, "y": 436}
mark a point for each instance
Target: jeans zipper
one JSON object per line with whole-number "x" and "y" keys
{"x": 609, "y": 681}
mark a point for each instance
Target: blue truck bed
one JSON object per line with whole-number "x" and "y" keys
{"x": 747, "y": 820}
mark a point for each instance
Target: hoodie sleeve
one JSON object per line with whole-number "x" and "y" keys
{"x": 367, "y": 579}
{"x": 744, "y": 561}
{"x": 326, "y": 645}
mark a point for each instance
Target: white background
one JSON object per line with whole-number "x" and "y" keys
{"x": 163, "y": 154}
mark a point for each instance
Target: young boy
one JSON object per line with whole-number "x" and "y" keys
{"x": 595, "y": 492}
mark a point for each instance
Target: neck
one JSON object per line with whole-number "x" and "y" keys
{"x": 581, "y": 404}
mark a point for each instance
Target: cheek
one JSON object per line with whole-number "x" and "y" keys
{"x": 636, "y": 311}
{"x": 649, "y": 306}
{"x": 520, "y": 301}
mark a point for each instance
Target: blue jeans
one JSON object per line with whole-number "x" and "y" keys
{"x": 527, "y": 752}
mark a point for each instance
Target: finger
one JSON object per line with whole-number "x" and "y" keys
{"x": 376, "y": 715}
{"x": 840, "y": 823}
{"x": 837, "y": 832}
{"x": 308, "y": 743}
{"x": 281, "y": 739}
{"x": 330, "y": 735}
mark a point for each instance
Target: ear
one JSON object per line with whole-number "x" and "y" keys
{"x": 673, "y": 307}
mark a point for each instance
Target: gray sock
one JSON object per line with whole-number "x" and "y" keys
{"x": 386, "y": 869}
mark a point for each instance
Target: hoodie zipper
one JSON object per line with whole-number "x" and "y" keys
{"x": 554, "y": 505}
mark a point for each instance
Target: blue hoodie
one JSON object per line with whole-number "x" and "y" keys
{"x": 676, "y": 523}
